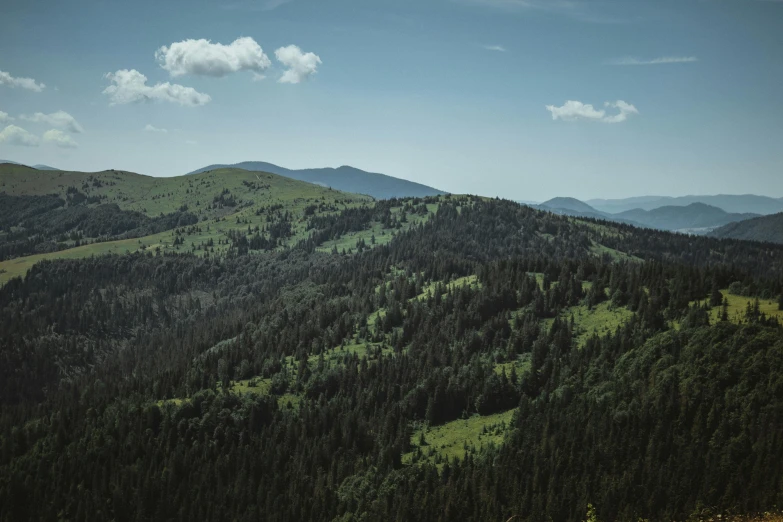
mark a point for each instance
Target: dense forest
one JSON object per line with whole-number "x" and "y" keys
{"x": 295, "y": 379}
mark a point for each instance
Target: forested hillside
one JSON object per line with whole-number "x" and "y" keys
{"x": 767, "y": 228}
{"x": 447, "y": 358}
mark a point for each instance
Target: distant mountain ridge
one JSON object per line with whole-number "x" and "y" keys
{"x": 37, "y": 167}
{"x": 345, "y": 178}
{"x": 765, "y": 228}
{"x": 740, "y": 204}
{"x": 695, "y": 218}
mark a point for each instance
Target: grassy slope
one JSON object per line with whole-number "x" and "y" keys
{"x": 154, "y": 196}
{"x": 455, "y": 439}
{"x": 738, "y": 305}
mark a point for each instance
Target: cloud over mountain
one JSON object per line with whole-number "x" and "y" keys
{"x": 14, "y": 135}
{"x": 60, "y": 139}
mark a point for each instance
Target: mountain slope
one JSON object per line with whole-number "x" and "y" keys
{"x": 746, "y": 203}
{"x": 693, "y": 217}
{"x": 345, "y": 178}
{"x": 71, "y": 215}
{"x": 765, "y": 228}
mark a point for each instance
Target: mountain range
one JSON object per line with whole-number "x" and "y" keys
{"x": 694, "y": 218}
{"x": 745, "y": 203}
{"x": 345, "y": 178}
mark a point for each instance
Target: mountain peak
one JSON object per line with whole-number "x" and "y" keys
{"x": 345, "y": 178}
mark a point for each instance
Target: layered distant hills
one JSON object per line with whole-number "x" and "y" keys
{"x": 746, "y": 203}
{"x": 694, "y": 218}
{"x": 345, "y": 178}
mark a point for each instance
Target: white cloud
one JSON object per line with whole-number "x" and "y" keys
{"x": 5, "y": 117}
{"x": 24, "y": 83}
{"x": 202, "y": 57}
{"x": 130, "y": 86}
{"x": 498, "y": 48}
{"x": 576, "y": 110}
{"x": 300, "y": 65}
{"x": 14, "y": 135}
{"x": 190, "y": 142}
{"x": 656, "y": 61}
{"x": 60, "y": 139}
{"x": 625, "y": 109}
{"x": 59, "y": 119}
{"x": 258, "y": 77}
{"x": 152, "y": 128}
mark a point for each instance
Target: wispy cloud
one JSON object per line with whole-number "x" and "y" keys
{"x": 5, "y": 117}
{"x": 59, "y": 119}
{"x": 24, "y": 83}
{"x": 578, "y": 9}
{"x": 152, "y": 128}
{"x": 254, "y": 5}
{"x": 575, "y": 110}
{"x": 655, "y": 61}
{"x": 60, "y": 139}
{"x": 497, "y": 48}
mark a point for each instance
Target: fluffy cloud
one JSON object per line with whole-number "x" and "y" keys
{"x": 14, "y": 135}
{"x": 24, "y": 83}
{"x": 498, "y": 48}
{"x": 59, "y": 138}
{"x": 576, "y": 110}
{"x": 300, "y": 65}
{"x": 5, "y": 117}
{"x": 202, "y": 57}
{"x": 59, "y": 119}
{"x": 130, "y": 86}
{"x": 656, "y": 61}
{"x": 152, "y": 128}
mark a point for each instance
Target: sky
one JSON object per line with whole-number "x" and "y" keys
{"x": 522, "y": 99}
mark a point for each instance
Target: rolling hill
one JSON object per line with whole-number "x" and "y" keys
{"x": 765, "y": 228}
{"x": 345, "y": 178}
{"x": 55, "y": 214}
{"x": 747, "y": 203}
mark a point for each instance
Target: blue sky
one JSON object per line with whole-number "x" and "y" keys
{"x": 495, "y": 97}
